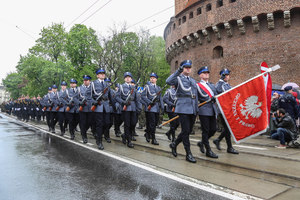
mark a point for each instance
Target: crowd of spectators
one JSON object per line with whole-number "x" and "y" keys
{"x": 284, "y": 122}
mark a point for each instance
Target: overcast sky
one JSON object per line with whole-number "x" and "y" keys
{"x": 22, "y": 20}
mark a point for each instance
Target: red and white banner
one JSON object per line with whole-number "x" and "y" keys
{"x": 244, "y": 109}
{"x": 268, "y": 85}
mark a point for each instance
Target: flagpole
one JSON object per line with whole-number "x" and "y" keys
{"x": 274, "y": 68}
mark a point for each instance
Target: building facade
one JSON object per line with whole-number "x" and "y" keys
{"x": 236, "y": 34}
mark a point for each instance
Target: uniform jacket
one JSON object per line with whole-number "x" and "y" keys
{"x": 210, "y": 108}
{"x": 95, "y": 90}
{"x": 73, "y": 96}
{"x": 62, "y": 100}
{"x": 53, "y": 101}
{"x": 186, "y": 93}
{"x": 123, "y": 93}
{"x": 88, "y": 99}
{"x": 222, "y": 86}
{"x": 149, "y": 94}
{"x": 170, "y": 99}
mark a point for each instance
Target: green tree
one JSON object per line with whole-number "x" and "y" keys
{"x": 13, "y": 83}
{"x": 81, "y": 48}
{"x": 51, "y": 43}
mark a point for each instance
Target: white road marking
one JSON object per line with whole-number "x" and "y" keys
{"x": 211, "y": 188}
{"x": 250, "y": 147}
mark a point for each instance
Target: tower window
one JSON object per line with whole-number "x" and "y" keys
{"x": 199, "y": 11}
{"x": 219, "y": 3}
{"x": 231, "y": 1}
{"x": 174, "y": 26}
{"x": 179, "y": 21}
{"x": 183, "y": 19}
{"x": 191, "y": 15}
{"x": 218, "y": 52}
{"x": 208, "y": 7}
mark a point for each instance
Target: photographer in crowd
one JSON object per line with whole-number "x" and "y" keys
{"x": 286, "y": 128}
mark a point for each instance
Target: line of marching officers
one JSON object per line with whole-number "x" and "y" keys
{"x": 95, "y": 105}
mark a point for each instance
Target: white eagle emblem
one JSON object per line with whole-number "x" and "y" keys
{"x": 251, "y": 107}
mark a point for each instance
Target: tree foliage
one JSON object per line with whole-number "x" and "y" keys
{"x": 59, "y": 55}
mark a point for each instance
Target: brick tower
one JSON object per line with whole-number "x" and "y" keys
{"x": 236, "y": 34}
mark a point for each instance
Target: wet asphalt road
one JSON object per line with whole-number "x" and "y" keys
{"x": 35, "y": 165}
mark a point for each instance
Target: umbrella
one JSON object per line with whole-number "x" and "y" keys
{"x": 294, "y": 85}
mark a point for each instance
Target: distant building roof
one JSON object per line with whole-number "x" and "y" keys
{"x": 191, "y": 2}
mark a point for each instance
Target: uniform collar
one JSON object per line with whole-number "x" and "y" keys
{"x": 202, "y": 81}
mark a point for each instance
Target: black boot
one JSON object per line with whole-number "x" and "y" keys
{"x": 173, "y": 137}
{"x": 107, "y": 139}
{"x": 210, "y": 153}
{"x": 118, "y": 133}
{"x": 139, "y": 127}
{"x": 168, "y": 135}
{"x": 173, "y": 146}
{"x": 189, "y": 156}
{"x": 100, "y": 145}
{"x": 123, "y": 139}
{"x": 53, "y": 130}
{"x": 232, "y": 150}
{"x": 154, "y": 140}
{"x": 217, "y": 143}
{"x": 133, "y": 138}
{"x": 72, "y": 136}
{"x": 201, "y": 146}
{"x": 147, "y": 136}
{"x": 85, "y": 140}
{"x": 130, "y": 145}
{"x": 106, "y": 136}
{"x": 62, "y": 133}
{"x": 134, "y": 133}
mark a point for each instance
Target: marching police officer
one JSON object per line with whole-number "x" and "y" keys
{"x": 72, "y": 107}
{"x": 109, "y": 115}
{"x": 46, "y": 107}
{"x": 152, "y": 99}
{"x": 85, "y": 104}
{"x": 117, "y": 113}
{"x": 38, "y": 108}
{"x": 170, "y": 99}
{"x": 100, "y": 94}
{"x": 185, "y": 107}
{"x": 208, "y": 112}
{"x": 221, "y": 86}
{"x": 53, "y": 104}
{"x": 138, "y": 111}
{"x": 61, "y": 107}
{"x": 129, "y": 100}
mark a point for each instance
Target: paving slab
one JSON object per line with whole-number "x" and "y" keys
{"x": 291, "y": 194}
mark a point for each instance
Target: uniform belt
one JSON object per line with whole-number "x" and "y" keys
{"x": 187, "y": 96}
